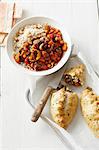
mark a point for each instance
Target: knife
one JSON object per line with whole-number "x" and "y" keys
{"x": 54, "y": 84}
{"x": 62, "y": 134}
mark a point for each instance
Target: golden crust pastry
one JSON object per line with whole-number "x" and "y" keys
{"x": 90, "y": 109}
{"x": 75, "y": 76}
{"x": 63, "y": 106}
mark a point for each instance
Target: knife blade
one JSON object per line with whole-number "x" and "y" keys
{"x": 53, "y": 84}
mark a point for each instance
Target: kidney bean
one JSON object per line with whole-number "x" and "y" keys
{"x": 26, "y": 61}
{"x": 44, "y": 67}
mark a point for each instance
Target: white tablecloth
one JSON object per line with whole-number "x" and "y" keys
{"x": 17, "y": 131}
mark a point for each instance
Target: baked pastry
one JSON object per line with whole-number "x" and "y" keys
{"x": 90, "y": 109}
{"x": 75, "y": 76}
{"x": 63, "y": 106}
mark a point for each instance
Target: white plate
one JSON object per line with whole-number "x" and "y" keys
{"x": 40, "y": 20}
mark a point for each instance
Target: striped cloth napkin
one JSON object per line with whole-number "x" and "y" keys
{"x": 9, "y": 13}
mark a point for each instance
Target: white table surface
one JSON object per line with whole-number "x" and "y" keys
{"x": 17, "y": 131}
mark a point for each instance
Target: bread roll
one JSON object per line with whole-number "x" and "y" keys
{"x": 90, "y": 109}
{"x": 75, "y": 76}
{"x": 63, "y": 106}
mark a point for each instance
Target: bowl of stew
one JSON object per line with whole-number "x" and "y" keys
{"x": 38, "y": 46}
